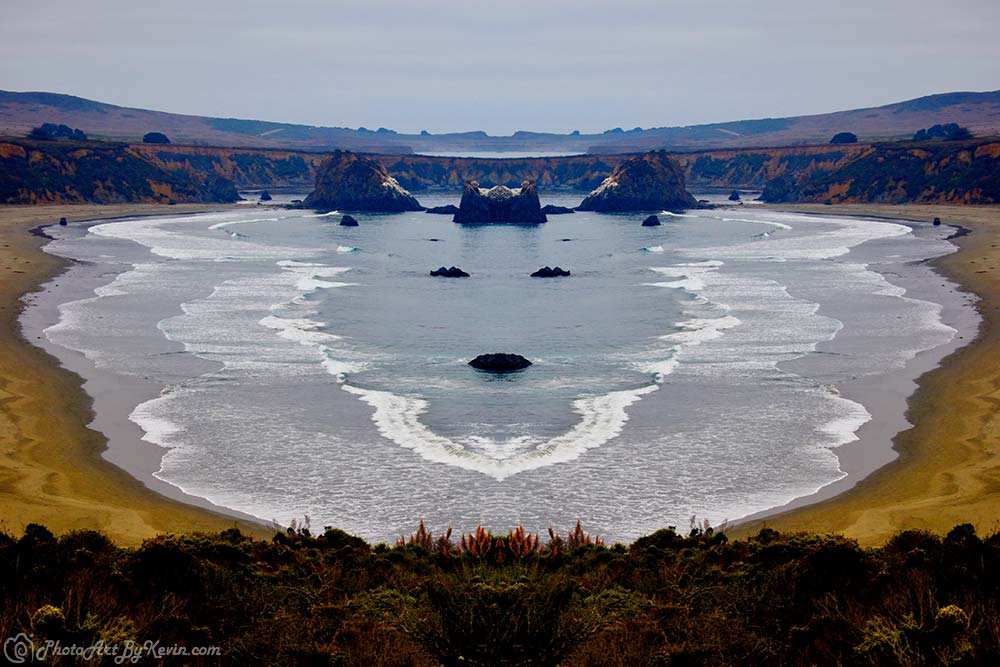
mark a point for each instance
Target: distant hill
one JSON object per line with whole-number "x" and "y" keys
{"x": 20, "y": 112}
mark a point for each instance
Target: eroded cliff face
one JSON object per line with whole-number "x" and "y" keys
{"x": 650, "y": 182}
{"x": 350, "y": 182}
{"x": 104, "y": 172}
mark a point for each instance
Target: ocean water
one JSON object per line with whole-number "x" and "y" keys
{"x": 692, "y": 369}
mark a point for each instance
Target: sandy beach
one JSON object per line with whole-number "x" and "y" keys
{"x": 948, "y": 470}
{"x": 51, "y": 470}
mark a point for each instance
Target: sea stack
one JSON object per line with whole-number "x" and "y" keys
{"x": 500, "y": 204}
{"x": 500, "y": 362}
{"x": 349, "y": 182}
{"x": 651, "y": 221}
{"x": 650, "y": 182}
{"x": 348, "y": 221}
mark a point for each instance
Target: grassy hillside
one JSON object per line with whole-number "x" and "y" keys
{"x": 19, "y": 112}
{"x": 514, "y": 600}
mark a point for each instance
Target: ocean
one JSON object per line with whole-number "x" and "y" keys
{"x": 274, "y": 363}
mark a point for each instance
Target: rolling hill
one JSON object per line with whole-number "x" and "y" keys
{"x": 21, "y": 111}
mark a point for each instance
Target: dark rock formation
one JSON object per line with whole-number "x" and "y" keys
{"x": 63, "y": 222}
{"x": 546, "y": 272}
{"x": 450, "y": 272}
{"x": 350, "y": 182}
{"x": 500, "y": 204}
{"x": 348, "y": 221}
{"x": 652, "y": 181}
{"x": 265, "y": 196}
{"x": 937, "y": 222}
{"x": 447, "y": 209}
{"x": 651, "y": 221}
{"x": 734, "y": 195}
{"x": 552, "y": 209}
{"x": 500, "y": 362}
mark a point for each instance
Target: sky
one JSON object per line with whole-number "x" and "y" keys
{"x": 460, "y": 65}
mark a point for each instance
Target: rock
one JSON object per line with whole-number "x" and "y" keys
{"x": 500, "y": 362}
{"x": 500, "y": 204}
{"x": 937, "y": 222}
{"x": 265, "y": 196}
{"x": 63, "y": 222}
{"x": 447, "y": 209}
{"x": 451, "y": 272}
{"x": 349, "y": 182}
{"x": 734, "y": 195}
{"x": 651, "y": 221}
{"x": 552, "y": 209}
{"x": 348, "y": 221}
{"x": 844, "y": 138}
{"x": 434, "y": 240}
{"x": 652, "y": 181}
{"x": 546, "y": 272}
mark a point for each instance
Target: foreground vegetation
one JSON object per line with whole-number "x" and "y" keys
{"x": 480, "y": 599}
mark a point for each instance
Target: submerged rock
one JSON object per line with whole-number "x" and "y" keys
{"x": 348, "y": 221}
{"x": 500, "y": 362}
{"x": 652, "y": 181}
{"x": 500, "y": 204}
{"x": 349, "y": 182}
{"x": 450, "y": 272}
{"x": 552, "y": 209}
{"x": 546, "y": 272}
{"x": 651, "y": 221}
{"x": 447, "y": 209}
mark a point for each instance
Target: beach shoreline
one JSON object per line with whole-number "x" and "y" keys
{"x": 947, "y": 469}
{"x": 51, "y": 467}
{"x": 76, "y": 487}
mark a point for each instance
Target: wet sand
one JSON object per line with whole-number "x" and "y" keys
{"x": 51, "y": 469}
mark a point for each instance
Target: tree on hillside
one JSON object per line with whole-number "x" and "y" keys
{"x": 947, "y": 132}
{"x": 155, "y": 138}
{"x": 844, "y": 138}
{"x": 52, "y": 132}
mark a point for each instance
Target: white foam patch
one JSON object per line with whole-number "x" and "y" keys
{"x": 653, "y": 248}
{"x": 398, "y": 419}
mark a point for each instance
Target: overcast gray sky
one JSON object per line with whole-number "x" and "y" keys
{"x": 499, "y": 66}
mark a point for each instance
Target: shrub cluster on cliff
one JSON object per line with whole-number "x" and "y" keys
{"x": 515, "y": 599}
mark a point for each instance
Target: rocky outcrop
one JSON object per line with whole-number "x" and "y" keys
{"x": 734, "y": 195}
{"x": 547, "y": 272}
{"x": 649, "y": 182}
{"x": 348, "y": 221}
{"x": 449, "y": 272}
{"x": 447, "y": 209}
{"x": 350, "y": 182}
{"x": 552, "y": 209}
{"x": 500, "y": 362}
{"x": 500, "y": 204}
{"x": 651, "y": 221}
{"x": 265, "y": 196}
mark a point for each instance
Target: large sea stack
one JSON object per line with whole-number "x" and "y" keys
{"x": 349, "y": 182}
{"x": 500, "y": 204}
{"x": 650, "y": 182}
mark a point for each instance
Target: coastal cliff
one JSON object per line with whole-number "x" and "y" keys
{"x": 649, "y": 182}
{"x": 350, "y": 182}
{"x": 500, "y": 204}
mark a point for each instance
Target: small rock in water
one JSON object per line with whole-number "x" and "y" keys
{"x": 734, "y": 195}
{"x": 546, "y": 272}
{"x": 447, "y": 209}
{"x": 449, "y": 272}
{"x": 265, "y": 196}
{"x": 500, "y": 362}
{"x": 63, "y": 222}
{"x": 348, "y": 221}
{"x": 937, "y": 222}
{"x": 651, "y": 221}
